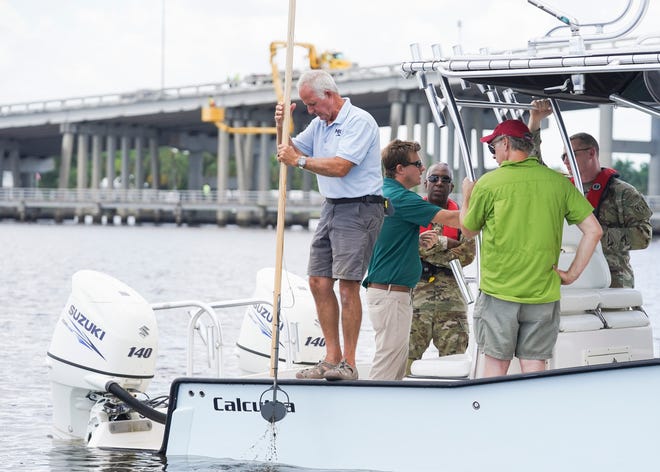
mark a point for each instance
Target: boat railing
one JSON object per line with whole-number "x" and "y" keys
{"x": 211, "y": 332}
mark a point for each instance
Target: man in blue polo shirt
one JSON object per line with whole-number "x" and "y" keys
{"x": 342, "y": 147}
{"x": 395, "y": 267}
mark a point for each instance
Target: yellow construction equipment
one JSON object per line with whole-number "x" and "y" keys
{"x": 329, "y": 60}
{"x": 214, "y": 114}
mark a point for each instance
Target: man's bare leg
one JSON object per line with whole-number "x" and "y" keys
{"x": 327, "y": 309}
{"x": 495, "y": 367}
{"x": 351, "y": 317}
{"x": 531, "y": 365}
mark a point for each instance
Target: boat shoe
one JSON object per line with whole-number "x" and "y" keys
{"x": 315, "y": 372}
{"x": 343, "y": 371}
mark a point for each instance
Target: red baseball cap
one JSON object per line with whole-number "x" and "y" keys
{"x": 514, "y": 128}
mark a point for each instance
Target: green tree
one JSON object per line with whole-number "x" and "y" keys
{"x": 637, "y": 178}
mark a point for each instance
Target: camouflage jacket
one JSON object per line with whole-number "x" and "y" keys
{"x": 443, "y": 291}
{"x": 626, "y": 221}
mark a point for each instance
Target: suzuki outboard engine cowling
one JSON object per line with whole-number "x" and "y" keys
{"x": 106, "y": 331}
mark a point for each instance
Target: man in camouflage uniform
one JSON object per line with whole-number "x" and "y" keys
{"x": 620, "y": 209}
{"x": 439, "y": 310}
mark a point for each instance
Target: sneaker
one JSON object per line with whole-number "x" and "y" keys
{"x": 343, "y": 371}
{"x": 315, "y": 372}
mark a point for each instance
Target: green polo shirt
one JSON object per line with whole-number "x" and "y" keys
{"x": 520, "y": 209}
{"x": 395, "y": 259}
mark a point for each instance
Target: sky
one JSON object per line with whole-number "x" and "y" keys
{"x": 73, "y": 48}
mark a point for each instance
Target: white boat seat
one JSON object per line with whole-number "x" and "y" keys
{"x": 579, "y": 322}
{"x": 625, "y": 319}
{"x": 455, "y": 366}
{"x": 619, "y": 298}
{"x": 578, "y": 300}
{"x": 597, "y": 272}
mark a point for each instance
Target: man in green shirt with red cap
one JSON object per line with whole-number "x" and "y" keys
{"x": 520, "y": 210}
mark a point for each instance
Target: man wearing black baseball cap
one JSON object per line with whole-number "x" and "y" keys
{"x": 520, "y": 209}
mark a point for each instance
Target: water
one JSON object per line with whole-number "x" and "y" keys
{"x": 163, "y": 263}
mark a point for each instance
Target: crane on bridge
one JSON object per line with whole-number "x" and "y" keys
{"x": 328, "y": 60}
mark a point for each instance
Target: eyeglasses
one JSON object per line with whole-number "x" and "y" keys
{"x": 575, "y": 151}
{"x": 491, "y": 145}
{"x": 445, "y": 179}
{"x": 417, "y": 164}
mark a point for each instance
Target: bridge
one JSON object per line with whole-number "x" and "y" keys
{"x": 118, "y": 145}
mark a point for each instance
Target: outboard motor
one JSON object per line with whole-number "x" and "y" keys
{"x": 106, "y": 332}
{"x": 298, "y": 325}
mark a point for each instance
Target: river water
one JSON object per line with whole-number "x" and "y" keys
{"x": 163, "y": 263}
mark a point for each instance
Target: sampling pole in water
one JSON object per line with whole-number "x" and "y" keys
{"x": 276, "y": 410}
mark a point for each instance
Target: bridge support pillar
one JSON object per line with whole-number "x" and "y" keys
{"x": 124, "y": 140}
{"x": 476, "y": 116}
{"x": 654, "y": 163}
{"x": 424, "y": 114}
{"x": 223, "y": 174}
{"x": 437, "y": 144}
{"x": 110, "y": 154}
{"x": 396, "y": 99}
{"x": 411, "y": 120}
{"x": 96, "y": 161}
{"x": 2, "y": 163}
{"x": 139, "y": 165}
{"x": 67, "y": 131}
{"x": 154, "y": 163}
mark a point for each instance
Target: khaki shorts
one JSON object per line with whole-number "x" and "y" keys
{"x": 504, "y": 329}
{"x": 344, "y": 240}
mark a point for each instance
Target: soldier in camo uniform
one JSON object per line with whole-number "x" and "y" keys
{"x": 620, "y": 209}
{"x": 439, "y": 310}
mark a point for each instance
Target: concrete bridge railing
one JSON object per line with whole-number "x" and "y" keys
{"x": 67, "y": 197}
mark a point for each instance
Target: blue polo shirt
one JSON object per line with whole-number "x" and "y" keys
{"x": 395, "y": 259}
{"x": 353, "y": 136}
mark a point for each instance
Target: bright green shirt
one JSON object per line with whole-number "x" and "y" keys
{"x": 520, "y": 208}
{"x": 395, "y": 259}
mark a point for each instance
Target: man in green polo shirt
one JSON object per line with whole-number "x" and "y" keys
{"x": 520, "y": 209}
{"x": 395, "y": 267}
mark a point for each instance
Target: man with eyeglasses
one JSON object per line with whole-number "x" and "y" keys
{"x": 439, "y": 309}
{"x": 395, "y": 267}
{"x": 619, "y": 207}
{"x": 520, "y": 209}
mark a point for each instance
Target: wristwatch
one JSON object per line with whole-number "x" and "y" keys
{"x": 302, "y": 160}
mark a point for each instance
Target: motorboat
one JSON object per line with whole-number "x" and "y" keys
{"x": 592, "y": 409}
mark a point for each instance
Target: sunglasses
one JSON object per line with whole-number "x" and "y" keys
{"x": 417, "y": 164}
{"x": 491, "y": 145}
{"x": 445, "y": 179}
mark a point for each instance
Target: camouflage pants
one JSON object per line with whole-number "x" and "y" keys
{"x": 449, "y": 331}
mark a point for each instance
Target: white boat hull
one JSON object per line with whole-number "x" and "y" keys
{"x": 583, "y": 418}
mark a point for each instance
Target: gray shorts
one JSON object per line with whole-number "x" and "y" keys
{"x": 344, "y": 240}
{"x": 504, "y": 328}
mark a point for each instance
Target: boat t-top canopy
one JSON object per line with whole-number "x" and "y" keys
{"x": 579, "y": 67}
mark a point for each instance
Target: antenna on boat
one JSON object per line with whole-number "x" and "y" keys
{"x": 568, "y": 20}
{"x": 275, "y": 410}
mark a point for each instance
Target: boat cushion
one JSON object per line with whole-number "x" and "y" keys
{"x": 625, "y": 319}
{"x": 620, "y": 298}
{"x": 576, "y": 300}
{"x": 579, "y": 322}
{"x": 453, "y": 366}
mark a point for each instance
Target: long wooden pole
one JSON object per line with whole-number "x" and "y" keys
{"x": 281, "y": 204}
